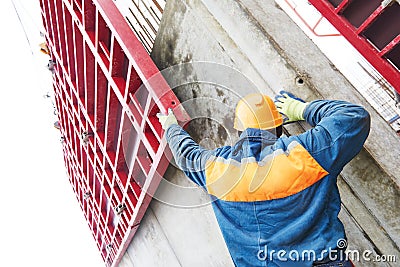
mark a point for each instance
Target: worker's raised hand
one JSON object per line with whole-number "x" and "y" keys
{"x": 290, "y": 106}
{"x": 167, "y": 120}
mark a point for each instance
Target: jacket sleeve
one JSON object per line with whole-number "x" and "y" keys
{"x": 190, "y": 157}
{"x": 340, "y": 130}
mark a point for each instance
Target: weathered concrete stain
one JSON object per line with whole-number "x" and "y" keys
{"x": 190, "y": 33}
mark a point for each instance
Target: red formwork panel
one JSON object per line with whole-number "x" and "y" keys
{"x": 372, "y": 27}
{"x": 107, "y": 106}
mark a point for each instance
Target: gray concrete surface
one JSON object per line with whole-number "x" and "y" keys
{"x": 269, "y": 52}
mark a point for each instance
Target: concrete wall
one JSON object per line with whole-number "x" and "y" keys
{"x": 257, "y": 48}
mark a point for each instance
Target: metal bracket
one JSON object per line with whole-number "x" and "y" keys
{"x": 44, "y": 48}
{"x": 87, "y": 195}
{"x": 85, "y": 136}
{"x": 51, "y": 65}
{"x": 109, "y": 246}
{"x": 120, "y": 209}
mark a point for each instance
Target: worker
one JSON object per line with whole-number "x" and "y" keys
{"x": 275, "y": 197}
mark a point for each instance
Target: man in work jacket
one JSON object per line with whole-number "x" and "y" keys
{"x": 275, "y": 198}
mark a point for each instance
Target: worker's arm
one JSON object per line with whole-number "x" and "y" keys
{"x": 340, "y": 130}
{"x": 190, "y": 157}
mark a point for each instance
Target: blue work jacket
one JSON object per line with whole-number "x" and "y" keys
{"x": 276, "y": 199}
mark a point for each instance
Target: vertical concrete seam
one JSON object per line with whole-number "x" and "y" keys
{"x": 356, "y": 195}
{"x": 166, "y": 238}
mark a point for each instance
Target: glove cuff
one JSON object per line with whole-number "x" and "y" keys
{"x": 296, "y": 110}
{"x": 301, "y": 108}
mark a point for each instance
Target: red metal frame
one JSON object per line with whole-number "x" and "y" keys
{"x": 107, "y": 106}
{"x": 378, "y": 57}
{"x": 311, "y": 28}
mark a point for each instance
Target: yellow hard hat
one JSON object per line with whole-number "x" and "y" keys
{"x": 256, "y": 111}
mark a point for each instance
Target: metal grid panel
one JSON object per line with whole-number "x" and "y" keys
{"x": 107, "y": 106}
{"x": 372, "y": 28}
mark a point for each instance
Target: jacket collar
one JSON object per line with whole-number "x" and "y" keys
{"x": 257, "y": 134}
